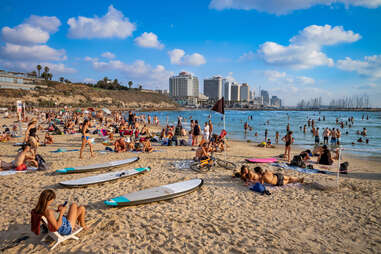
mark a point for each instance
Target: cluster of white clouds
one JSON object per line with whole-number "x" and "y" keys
{"x": 149, "y": 40}
{"x": 284, "y": 78}
{"x": 280, "y": 7}
{"x": 150, "y": 76}
{"x": 113, "y": 24}
{"x": 305, "y": 49}
{"x": 369, "y": 67}
{"x": 108, "y": 55}
{"x": 178, "y": 57}
{"x": 25, "y": 45}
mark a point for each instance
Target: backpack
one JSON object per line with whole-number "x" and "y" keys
{"x": 344, "y": 167}
{"x": 298, "y": 161}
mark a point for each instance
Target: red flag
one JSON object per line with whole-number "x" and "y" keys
{"x": 219, "y": 106}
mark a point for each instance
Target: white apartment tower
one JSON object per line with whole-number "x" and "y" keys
{"x": 227, "y": 90}
{"x": 183, "y": 85}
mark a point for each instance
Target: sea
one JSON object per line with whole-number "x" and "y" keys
{"x": 274, "y": 121}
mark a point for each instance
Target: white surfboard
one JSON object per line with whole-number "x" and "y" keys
{"x": 156, "y": 194}
{"x": 101, "y": 178}
{"x": 94, "y": 167}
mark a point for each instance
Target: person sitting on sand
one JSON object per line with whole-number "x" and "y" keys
{"x": 147, "y": 147}
{"x": 48, "y": 139}
{"x": 202, "y": 152}
{"x": 268, "y": 144}
{"x": 31, "y": 135}
{"x": 276, "y": 179}
{"x": 120, "y": 145}
{"x": 325, "y": 157}
{"x": 63, "y": 224}
{"x": 145, "y": 131}
{"x": 306, "y": 155}
{"x": 22, "y": 158}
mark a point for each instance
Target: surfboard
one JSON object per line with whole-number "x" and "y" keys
{"x": 101, "y": 178}
{"x": 156, "y": 194}
{"x": 94, "y": 167}
{"x": 262, "y": 160}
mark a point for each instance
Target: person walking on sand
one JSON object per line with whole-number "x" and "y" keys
{"x": 196, "y": 133}
{"x": 85, "y": 139}
{"x": 288, "y": 141}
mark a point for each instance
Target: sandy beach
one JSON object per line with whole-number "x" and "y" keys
{"x": 224, "y": 216}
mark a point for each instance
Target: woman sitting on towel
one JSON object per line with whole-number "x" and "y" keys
{"x": 276, "y": 179}
{"x": 325, "y": 157}
{"x": 63, "y": 224}
{"x": 22, "y": 158}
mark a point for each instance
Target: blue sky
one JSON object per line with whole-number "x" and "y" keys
{"x": 296, "y": 50}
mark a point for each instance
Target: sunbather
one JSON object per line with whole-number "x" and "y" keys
{"x": 63, "y": 224}
{"x": 48, "y": 139}
{"x": 120, "y": 145}
{"x": 22, "y": 158}
{"x": 276, "y": 179}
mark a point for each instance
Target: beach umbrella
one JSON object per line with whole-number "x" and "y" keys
{"x": 107, "y": 111}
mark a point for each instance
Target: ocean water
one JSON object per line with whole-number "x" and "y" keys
{"x": 277, "y": 121}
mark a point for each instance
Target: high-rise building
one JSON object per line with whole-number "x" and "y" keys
{"x": 213, "y": 87}
{"x": 265, "y": 97}
{"x": 183, "y": 85}
{"x": 227, "y": 90}
{"x": 275, "y": 101}
{"x": 244, "y": 92}
{"x": 252, "y": 95}
{"x": 235, "y": 92}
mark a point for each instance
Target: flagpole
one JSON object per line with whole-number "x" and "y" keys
{"x": 225, "y": 138}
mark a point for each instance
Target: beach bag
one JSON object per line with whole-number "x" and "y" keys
{"x": 260, "y": 188}
{"x": 298, "y": 161}
{"x": 344, "y": 167}
{"x": 41, "y": 163}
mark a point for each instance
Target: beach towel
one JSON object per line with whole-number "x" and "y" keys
{"x": 63, "y": 150}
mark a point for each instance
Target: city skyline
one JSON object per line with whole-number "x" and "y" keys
{"x": 296, "y": 51}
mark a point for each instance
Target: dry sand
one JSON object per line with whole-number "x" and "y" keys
{"x": 224, "y": 216}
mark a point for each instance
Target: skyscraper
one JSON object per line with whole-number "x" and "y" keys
{"x": 266, "y": 97}
{"x": 235, "y": 92}
{"x": 183, "y": 85}
{"x": 244, "y": 92}
{"x": 213, "y": 87}
{"x": 227, "y": 89}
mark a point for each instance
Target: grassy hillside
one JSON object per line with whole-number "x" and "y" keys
{"x": 80, "y": 95}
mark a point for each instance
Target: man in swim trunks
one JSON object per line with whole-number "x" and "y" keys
{"x": 21, "y": 160}
{"x": 276, "y": 179}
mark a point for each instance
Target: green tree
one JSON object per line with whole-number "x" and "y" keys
{"x": 39, "y": 67}
{"x": 46, "y": 69}
{"x": 50, "y": 76}
{"x": 130, "y": 84}
{"x": 33, "y": 73}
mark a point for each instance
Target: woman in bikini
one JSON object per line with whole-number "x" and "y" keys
{"x": 288, "y": 141}
{"x": 85, "y": 138}
{"x": 63, "y": 224}
{"x": 31, "y": 135}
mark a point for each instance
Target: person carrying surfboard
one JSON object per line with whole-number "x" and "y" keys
{"x": 85, "y": 138}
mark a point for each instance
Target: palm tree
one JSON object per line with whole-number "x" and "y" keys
{"x": 130, "y": 84}
{"x": 46, "y": 69}
{"x": 33, "y": 73}
{"x": 62, "y": 79}
{"x": 50, "y": 76}
{"x": 39, "y": 70}
{"x": 105, "y": 79}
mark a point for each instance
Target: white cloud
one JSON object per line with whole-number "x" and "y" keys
{"x": 113, "y": 24}
{"x": 247, "y": 57}
{"x": 370, "y": 66}
{"x": 31, "y": 53}
{"x": 285, "y": 6}
{"x": 49, "y": 24}
{"x": 150, "y": 77}
{"x": 304, "y": 50}
{"x": 178, "y": 57}
{"x": 283, "y": 78}
{"x": 107, "y": 55}
{"x": 89, "y": 80}
{"x": 24, "y": 34}
{"x": 230, "y": 77}
{"x": 149, "y": 40}
{"x": 21, "y": 65}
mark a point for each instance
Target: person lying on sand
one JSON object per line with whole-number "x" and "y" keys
{"x": 5, "y": 137}
{"x": 276, "y": 179}
{"x": 22, "y": 158}
{"x": 247, "y": 175}
{"x": 63, "y": 224}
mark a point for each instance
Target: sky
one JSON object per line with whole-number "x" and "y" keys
{"x": 296, "y": 49}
